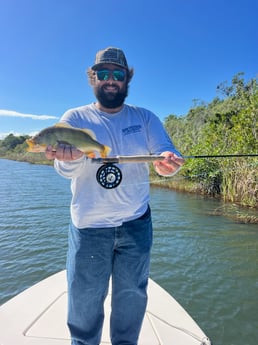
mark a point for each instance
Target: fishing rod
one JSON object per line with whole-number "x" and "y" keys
{"x": 110, "y": 176}
{"x": 224, "y": 156}
{"x": 152, "y": 158}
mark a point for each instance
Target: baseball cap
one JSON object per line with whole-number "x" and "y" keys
{"x": 110, "y": 55}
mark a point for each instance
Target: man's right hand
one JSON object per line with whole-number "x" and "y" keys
{"x": 63, "y": 152}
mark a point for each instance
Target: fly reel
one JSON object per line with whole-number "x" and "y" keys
{"x": 109, "y": 176}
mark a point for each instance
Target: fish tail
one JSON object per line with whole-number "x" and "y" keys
{"x": 105, "y": 152}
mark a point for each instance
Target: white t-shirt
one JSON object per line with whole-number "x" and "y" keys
{"x": 132, "y": 131}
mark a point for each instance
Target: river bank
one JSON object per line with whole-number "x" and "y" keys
{"x": 234, "y": 211}
{"x": 179, "y": 182}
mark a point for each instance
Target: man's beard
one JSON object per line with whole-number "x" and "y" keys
{"x": 111, "y": 100}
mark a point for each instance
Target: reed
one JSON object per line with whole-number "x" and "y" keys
{"x": 240, "y": 182}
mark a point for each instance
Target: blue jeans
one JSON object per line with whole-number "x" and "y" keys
{"x": 93, "y": 256}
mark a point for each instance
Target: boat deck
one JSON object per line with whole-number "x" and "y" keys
{"x": 37, "y": 316}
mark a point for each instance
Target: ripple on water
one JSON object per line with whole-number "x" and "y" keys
{"x": 208, "y": 263}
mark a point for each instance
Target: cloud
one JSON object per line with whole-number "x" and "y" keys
{"x": 4, "y": 135}
{"x": 12, "y": 113}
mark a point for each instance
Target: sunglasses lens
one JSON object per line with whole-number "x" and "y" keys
{"x": 117, "y": 75}
{"x": 103, "y": 74}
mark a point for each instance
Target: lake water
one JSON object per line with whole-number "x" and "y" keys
{"x": 209, "y": 263}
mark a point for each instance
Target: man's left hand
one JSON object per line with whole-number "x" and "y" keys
{"x": 170, "y": 165}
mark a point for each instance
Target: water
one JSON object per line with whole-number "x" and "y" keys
{"x": 209, "y": 263}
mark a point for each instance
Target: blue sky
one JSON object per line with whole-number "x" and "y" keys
{"x": 180, "y": 50}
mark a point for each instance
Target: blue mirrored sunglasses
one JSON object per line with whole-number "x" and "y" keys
{"x": 117, "y": 74}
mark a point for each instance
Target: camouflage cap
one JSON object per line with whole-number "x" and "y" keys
{"x": 110, "y": 55}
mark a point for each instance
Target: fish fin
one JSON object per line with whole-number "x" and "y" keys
{"x": 63, "y": 124}
{"x": 105, "y": 152}
{"x": 89, "y": 132}
{"x": 91, "y": 154}
{"x": 85, "y": 130}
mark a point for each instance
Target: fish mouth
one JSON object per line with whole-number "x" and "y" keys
{"x": 34, "y": 147}
{"x": 31, "y": 144}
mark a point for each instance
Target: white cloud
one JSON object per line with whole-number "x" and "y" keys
{"x": 16, "y": 134}
{"x": 12, "y": 113}
{"x": 3, "y": 135}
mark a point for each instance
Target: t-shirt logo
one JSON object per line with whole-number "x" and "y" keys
{"x": 132, "y": 129}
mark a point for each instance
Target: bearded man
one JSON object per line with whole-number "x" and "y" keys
{"x": 110, "y": 233}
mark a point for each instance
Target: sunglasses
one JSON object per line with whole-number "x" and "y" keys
{"x": 117, "y": 74}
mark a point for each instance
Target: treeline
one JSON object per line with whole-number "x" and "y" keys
{"x": 226, "y": 125}
{"x": 15, "y": 148}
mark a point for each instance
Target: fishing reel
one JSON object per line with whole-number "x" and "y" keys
{"x": 109, "y": 176}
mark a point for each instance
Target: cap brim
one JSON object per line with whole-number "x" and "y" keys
{"x": 96, "y": 66}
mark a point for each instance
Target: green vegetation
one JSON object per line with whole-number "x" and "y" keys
{"x": 13, "y": 147}
{"x": 226, "y": 125}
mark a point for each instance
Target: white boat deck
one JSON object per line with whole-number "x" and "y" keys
{"x": 37, "y": 316}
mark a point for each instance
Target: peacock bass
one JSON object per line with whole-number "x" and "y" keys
{"x": 62, "y": 133}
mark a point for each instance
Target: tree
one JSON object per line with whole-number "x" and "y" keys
{"x": 11, "y": 141}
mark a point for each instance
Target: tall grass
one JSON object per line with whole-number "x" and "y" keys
{"x": 240, "y": 182}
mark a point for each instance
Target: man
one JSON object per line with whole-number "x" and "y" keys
{"x": 111, "y": 229}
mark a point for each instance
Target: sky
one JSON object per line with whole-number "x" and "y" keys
{"x": 180, "y": 51}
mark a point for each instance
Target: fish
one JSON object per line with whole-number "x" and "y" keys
{"x": 63, "y": 133}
